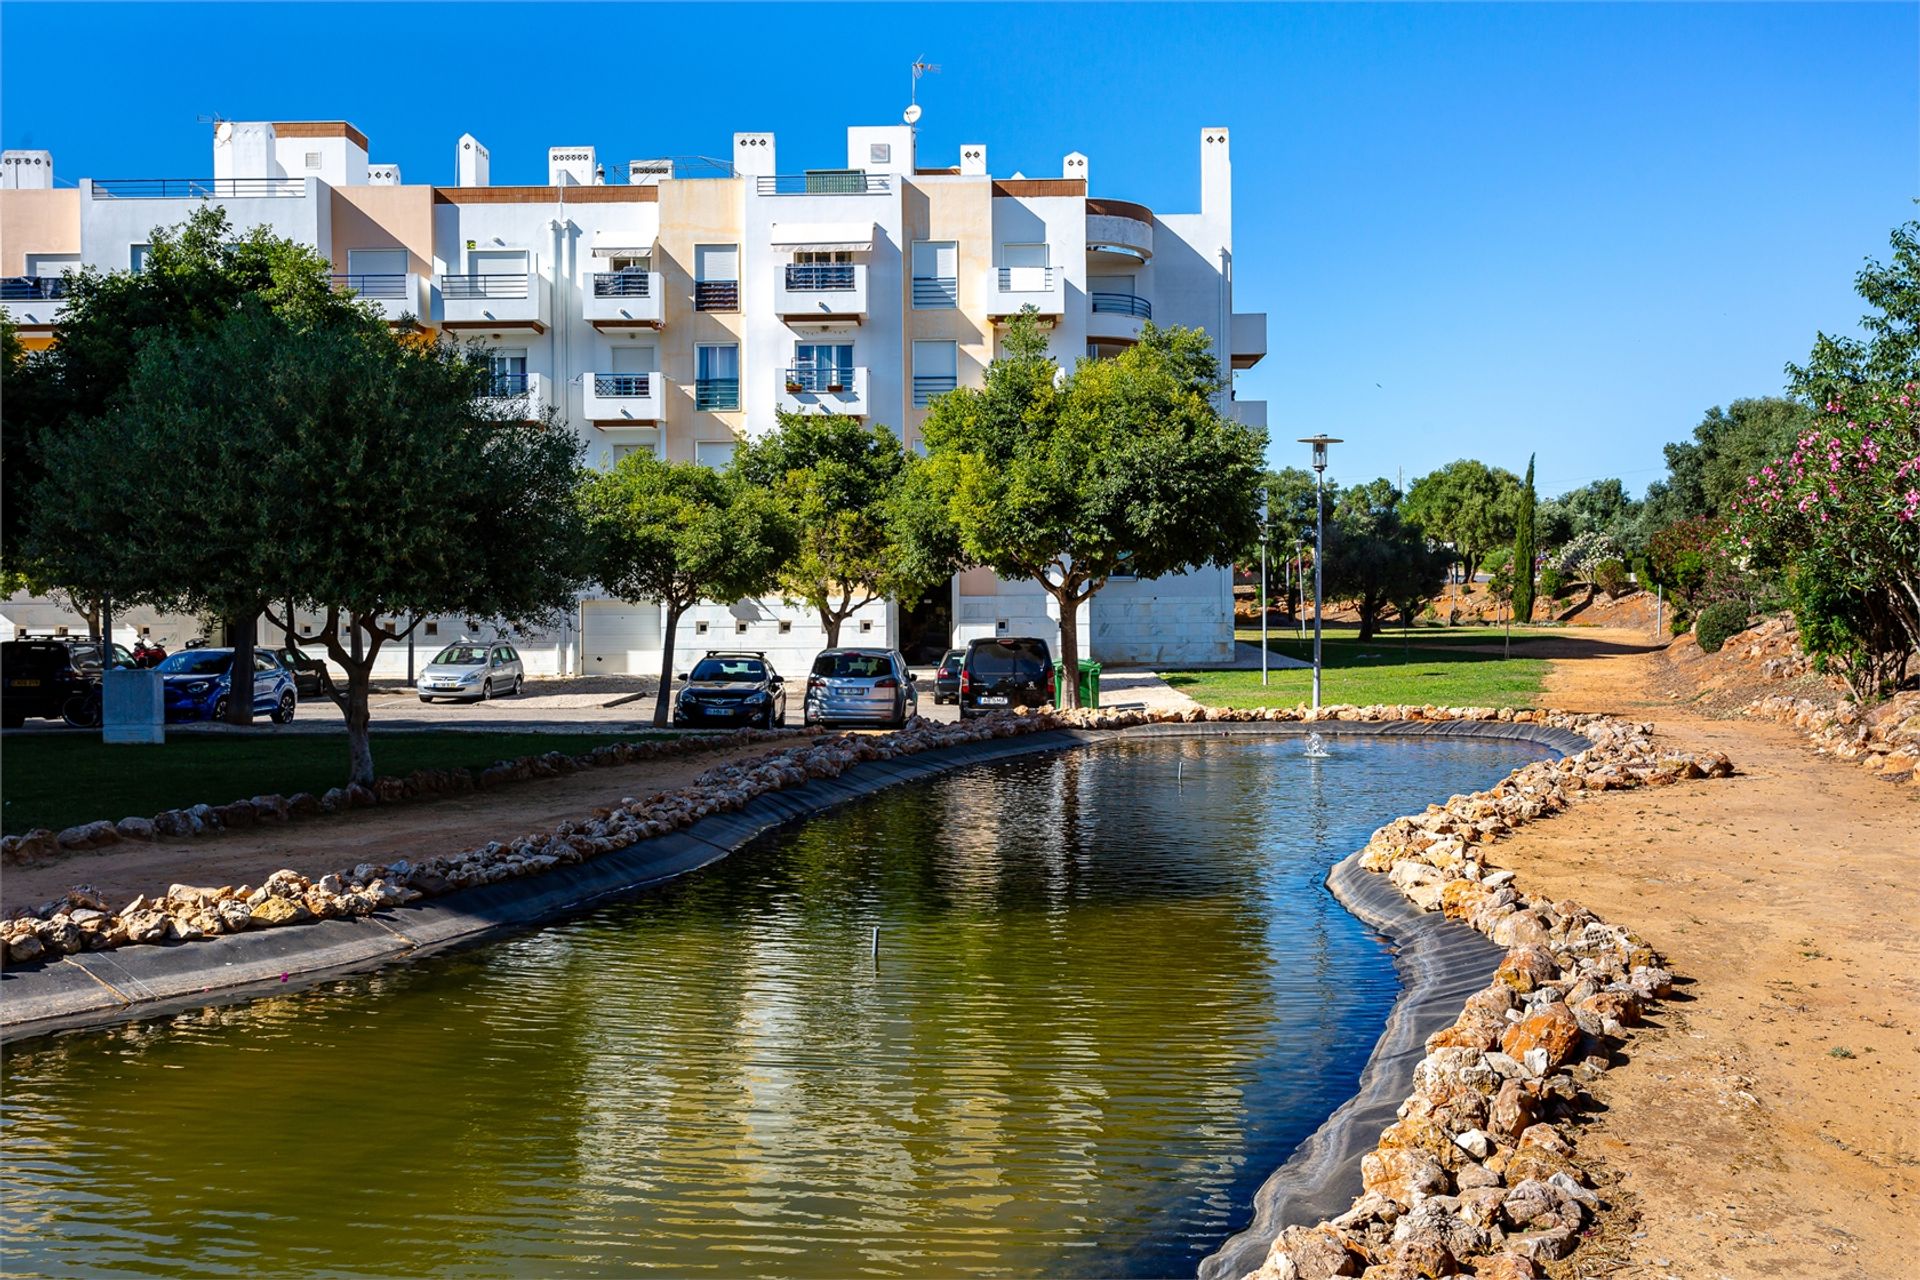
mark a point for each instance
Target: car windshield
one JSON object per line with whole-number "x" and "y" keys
{"x": 998, "y": 659}
{"x": 730, "y": 669}
{"x": 952, "y": 661}
{"x": 852, "y": 666}
{"x": 196, "y": 662}
{"x": 462, "y": 655}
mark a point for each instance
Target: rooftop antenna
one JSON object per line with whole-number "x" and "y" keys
{"x": 920, "y": 67}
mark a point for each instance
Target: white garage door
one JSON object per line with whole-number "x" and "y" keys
{"x": 620, "y": 639}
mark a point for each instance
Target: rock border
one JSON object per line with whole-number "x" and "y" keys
{"x": 1883, "y": 740}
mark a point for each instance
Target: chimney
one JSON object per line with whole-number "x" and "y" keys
{"x": 1074, "y": 166}
{"x": 648, "y": 173}
{"x": 26, "y": 170}
{"x": 244, "y": 149}
{"x": 753, "y": 155}
{"x": 1216, "y": 176}
{"x": 570, "y": 166}
{"x": 383, "y": 175}
{"x": 473, "y": 163}
{"x": 973, "y": 159}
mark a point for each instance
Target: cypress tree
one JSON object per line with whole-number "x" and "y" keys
{"x": 1523, "y": 550}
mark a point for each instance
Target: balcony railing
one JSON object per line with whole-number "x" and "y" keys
{"x": 384, "y": 286}
{"x": 197, "y": 188}
{"x": 1026, "y": 279}
{"x": 716, "y": 393}
{"x": 928, "y": 385}
{"x": 716, "y": 295}
{"x": 830, "y": 182}
{"x": 821, "y": 277}
{"x": 623, "y": 284}
{"x": 485, "y": 285}
{"x": 935, "y": 292}
{"x": 623, "y": 386}
{"x": 1123, "y": 304}
{"x": 818, "y": 378}
{"x": 32, "y": 288}
{"x": 507, "y": 386}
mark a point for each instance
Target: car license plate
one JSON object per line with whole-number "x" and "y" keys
{"x": 993, "y": 702}
{"x": 25, "y": 684}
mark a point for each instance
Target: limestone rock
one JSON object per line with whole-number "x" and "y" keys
{"x": 1402, "y": 1175}
{"x": 271, "y": 911}
{"x": 135, "y": 828}
{"x": 1553, "y": 1030}
{"x": 88, "y": 835}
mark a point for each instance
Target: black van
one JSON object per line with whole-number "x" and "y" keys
{"x": 37, "y": 677}
{"x": 1002, "y": 672}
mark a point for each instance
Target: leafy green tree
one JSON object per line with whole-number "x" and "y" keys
{"x": 680, "y": 533}
{"x": 1465, "y": 503}
{"x": 838, "y": 482}
{"x": 1376, "y": 559}
{"x": 1290, "y": 513}
{"x": 1601, "y": 507}
{"x": 331, "y": 464}
{"x": 1122, "y": 465}
{"x": 1523, "y": 548}
{"x": 1889, "y": 357}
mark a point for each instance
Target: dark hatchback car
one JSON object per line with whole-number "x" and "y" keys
{"x": 946, "y": 677}
{"x": 307, "y": 679}
{"x": 731, "y": 689}
{"x": 37, "y": 677}
{"x": 1002, "y": 672}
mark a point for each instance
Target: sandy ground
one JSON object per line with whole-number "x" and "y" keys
{"x": 1769, "y": 1124}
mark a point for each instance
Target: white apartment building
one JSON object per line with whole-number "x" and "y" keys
{"x": 675, "y": 307}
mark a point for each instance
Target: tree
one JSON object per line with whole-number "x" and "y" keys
{"x": 1376, "y": 559}
{"x": 1601, "y": 507}
{"x": 1466, "y": 503}
{"x": 1523, "y": 548}
{"x": 1124, "y": 464}
{"x": 838, "y": 482}
{"x": 330, "y": 464}
{"x": 680, "y": 533}
{"x": 1290, "y": 513}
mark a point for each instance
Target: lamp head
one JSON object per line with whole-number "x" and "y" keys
{"x": 1320, "y": 444}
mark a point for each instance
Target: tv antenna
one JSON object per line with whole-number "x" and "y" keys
{"x": 920, "y": 67}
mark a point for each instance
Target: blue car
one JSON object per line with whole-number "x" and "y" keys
{"x": 196, "y": 682}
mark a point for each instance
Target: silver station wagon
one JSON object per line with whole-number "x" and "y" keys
{"x": 471, "y": 671}
{"x": 861, "y": 686}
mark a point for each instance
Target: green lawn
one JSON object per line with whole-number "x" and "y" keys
{"x": 1427, "y": 667}
{"x": 57, "y": 780}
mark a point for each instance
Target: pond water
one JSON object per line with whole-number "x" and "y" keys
{"x": 1111, "y": 995}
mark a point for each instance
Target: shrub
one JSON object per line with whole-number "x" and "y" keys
{"x": 1552, "y": 581}
{"x": 1611, "y": 577}
{"x": 1719, "y": 620}
{"x": 1579, "y": 558}
{"x": 1679, "y": 621}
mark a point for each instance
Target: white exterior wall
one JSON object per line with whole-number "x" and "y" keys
{"x": 1060, "y": 221}
{"x": 110, "y": 226}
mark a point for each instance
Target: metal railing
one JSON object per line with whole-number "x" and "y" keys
{"x": 716, "y": 295}
{"x": 1029, "y": 280}
{"x": 197, "y": 188}
{"x": 507, "y": 386}
{"x": 935, "y": 292}
{"x": 383, "y": 285}
{"x": 716, "y": 393}
{"x": 817, "y": 378}
{"x": 506, "y": 285}
{"x": 820, "y": 277}
{"x": 623, "y": 386}
{"x": 928, "y": 385}
{"x": 1123, "y": 304}
{"x": 30, "y": 288}
{"x": 829, "y": 182}
{"x": 622, "y": 284}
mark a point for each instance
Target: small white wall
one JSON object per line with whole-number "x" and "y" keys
{"x": 1179, "y": 619}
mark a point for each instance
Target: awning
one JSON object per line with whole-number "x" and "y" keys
{"x": 622, "y": 244}
{"x": 845, "y": 237}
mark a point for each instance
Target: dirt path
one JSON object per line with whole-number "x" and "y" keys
{"x": 319, "y": 845}
{"x": 1769, "y": 1125}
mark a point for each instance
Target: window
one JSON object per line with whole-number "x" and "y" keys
{"x": 631, "y": 263}
{"x": 313, "y": 159}
{"x": 716, "y": 377}
{"x": 821, "y": 366}
{"x": 880, "y": 153}
{"x": 714, "y": 454}
{"x": 620, "y": 451}
{"x": 700, "y": 628}
{"x": 866, "y": 626}
{"x": 822, "y": 257}
{"x": 786, "y": 626}
{"x": 507, "y": 372}
{"x": 433, "y": 628}
{"x": 137, "y": 256}
{"x": 263, "y": 660}
{"x": 935, "y": 369}
{"x": 716, "y": 277}
{"x": 739, "y": 626}
{"x": 936, "y": 267}
{"x": 1024, "y": 269}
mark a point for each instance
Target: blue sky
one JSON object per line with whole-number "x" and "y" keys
{"x": 1477, "y": 231}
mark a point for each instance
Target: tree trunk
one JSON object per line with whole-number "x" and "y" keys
{"x": 663, "y": 704}
{"x": 240, "y": 680}
{"x": 359, "y": 716}
{"x": 1069, "y": 648}
{"x": 830, "y": 623}
{"x": 1367, "y": 612}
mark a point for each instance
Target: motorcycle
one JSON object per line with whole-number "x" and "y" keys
{"x": 148, "y": 655}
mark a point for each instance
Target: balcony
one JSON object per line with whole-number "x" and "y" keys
{"x": 716, "y": 295}
{"x": 824, "y": 182}
{"x": 624, "y": 300}
{"x": 624, "y": 399}
{"x": 34, "y": 302}
{"x": 1117, "y": 315}
{"x": 516, "y": 397}
{"x": 822, "y": 291}
{"x": 1119, "y": 231}
{"x": 815, "y": 390}
{"x": 399, "y": 296}
{"x": 1249, "y": 338}
{"x": 513, "y": 300}
{"x": 198, "y": 188}
{"x": 716, "y": 395}
{"x": 935, "y": 293}
{"x": 1252, "y": 413}
{"x": 1011, "y": 290}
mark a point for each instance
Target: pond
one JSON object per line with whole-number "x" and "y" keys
{"x": 1110, "y": 995}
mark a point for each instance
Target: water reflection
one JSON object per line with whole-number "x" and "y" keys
{"x": 1110, "y": 996}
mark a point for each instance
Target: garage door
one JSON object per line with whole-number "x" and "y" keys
{"x": 620, "y": 639}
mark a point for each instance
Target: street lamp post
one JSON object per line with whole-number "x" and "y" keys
{"x": 1319, "y": 444}
{"x": 1263, "y": 588}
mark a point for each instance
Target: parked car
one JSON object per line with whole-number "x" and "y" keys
{"x": 860, "y": 686}
{"x": 946, "y": 677}
{"x": 39, "y": 678}
{"x": 471, "y": 671}
{"x": 1001, "y": 672}
{"x": 730, "y": 688}
{"x": 194, "y": 685}
{"x": 86, "y": 655}
{"x": 308, "y": 671}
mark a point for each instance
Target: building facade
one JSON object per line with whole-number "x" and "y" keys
{"x": 675, "y": 307}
